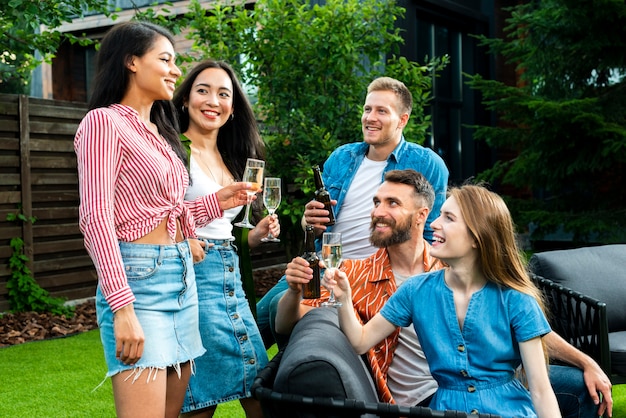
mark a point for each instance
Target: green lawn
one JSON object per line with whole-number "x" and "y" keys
{"x": 61, "y": 378}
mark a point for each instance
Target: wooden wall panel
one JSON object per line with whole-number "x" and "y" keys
{"x": 38, "y": 173}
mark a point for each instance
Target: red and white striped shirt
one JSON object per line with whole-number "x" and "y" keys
{"x": 129, "y": 181}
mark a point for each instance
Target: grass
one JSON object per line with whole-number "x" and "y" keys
{"x": 60, "y": 378}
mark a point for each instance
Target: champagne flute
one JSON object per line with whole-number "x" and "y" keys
{"x": 271, "y": 200}
{"x": 253, "y": 173}
{"x": 331, "y": 254}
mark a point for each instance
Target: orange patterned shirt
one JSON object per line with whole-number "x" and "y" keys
{"x": 373, "y": 283}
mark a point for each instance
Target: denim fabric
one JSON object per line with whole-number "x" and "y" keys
{"x": 163, "y": 281}
{"x": 474, "y": 367}
{"x": 266, "y": 309}
{"x": 568, "y": 382}
{"x": 342, "y": 165}
{"x": 569, "y": 387}
{"x": 235, "y": 351}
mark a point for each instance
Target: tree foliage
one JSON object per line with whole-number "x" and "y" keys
{"x": 30, "y": 35}
{"x": 308, "y": 67}
{"x": 566, "y": 119}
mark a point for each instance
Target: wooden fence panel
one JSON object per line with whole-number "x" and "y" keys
{"x": 38, "y": 173}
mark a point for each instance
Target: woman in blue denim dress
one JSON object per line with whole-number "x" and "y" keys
{"x": 478, "y": 319}
{"x": 220, "y": 130}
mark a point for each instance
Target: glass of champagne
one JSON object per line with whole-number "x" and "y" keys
{"x": 271, "y": 200}
{"x": 331, "y": 254}
{"x": 253, "y": 173}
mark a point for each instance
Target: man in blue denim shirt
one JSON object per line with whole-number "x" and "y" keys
{"x": 352, "y": 174}
{"x": 342, "y": 166}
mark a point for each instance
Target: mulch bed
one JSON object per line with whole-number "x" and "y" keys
{"x": 18, "y": 328}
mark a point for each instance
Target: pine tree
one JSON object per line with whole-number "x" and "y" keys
{"x": 565, "y": 121}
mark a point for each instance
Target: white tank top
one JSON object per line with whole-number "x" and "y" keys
{"x": 202, "y": 185}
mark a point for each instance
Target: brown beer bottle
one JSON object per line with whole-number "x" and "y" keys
{"x": 311, "y": 290}
{"x": 322, "y": 195}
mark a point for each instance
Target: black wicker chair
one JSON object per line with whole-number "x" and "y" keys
{"x": 585, "y": 290}
{"x": 579, "y": 319}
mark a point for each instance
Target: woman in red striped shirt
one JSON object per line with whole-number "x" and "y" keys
{"x": 133, "y": 178}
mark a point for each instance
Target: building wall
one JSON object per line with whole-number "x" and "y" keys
{"x": 438, "y": 27}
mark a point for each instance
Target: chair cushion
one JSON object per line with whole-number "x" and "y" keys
{"x": 598, "y": 272}
{"x": 617, "y": 342}
{"x": 320, "y": 362}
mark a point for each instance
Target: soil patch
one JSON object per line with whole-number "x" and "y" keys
{"x": 18, "y": 328}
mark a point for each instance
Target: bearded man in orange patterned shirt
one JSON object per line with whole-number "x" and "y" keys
{"x": 401, "y": 207}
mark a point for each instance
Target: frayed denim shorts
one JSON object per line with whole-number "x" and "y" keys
{"x": 163, "y": 281}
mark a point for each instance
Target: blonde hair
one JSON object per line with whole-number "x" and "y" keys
{"x": 491, "y": 226}
{"x": 405, "y": 98}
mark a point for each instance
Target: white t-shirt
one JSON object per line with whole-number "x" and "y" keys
{"x": 202, "y": 185}
{"x": 406, "y": 377}
{"x": 354, "y": 218}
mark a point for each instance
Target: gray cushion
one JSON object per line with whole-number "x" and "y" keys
{"x": 598, "y": 272}
{"x": 320, "y": 362}
{"x": 617, "y": 344}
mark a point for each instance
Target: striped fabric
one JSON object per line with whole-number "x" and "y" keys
{"x": 373, "y": 283}
{"x": 129, "y": 181}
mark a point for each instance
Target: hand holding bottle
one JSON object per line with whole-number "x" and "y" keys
{"x": 311, "y": 290}
{"x": 322, "y": 195}
{"x": 316, "y": 214}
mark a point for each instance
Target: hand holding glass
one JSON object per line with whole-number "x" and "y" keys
{"x": 331, "y": 254}
{"x": 253, "y": 173}
{"x": 271, "y": 200}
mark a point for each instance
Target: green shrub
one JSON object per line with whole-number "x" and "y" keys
{"x": 24, "y": 292}
{"x": 307, "y": 67}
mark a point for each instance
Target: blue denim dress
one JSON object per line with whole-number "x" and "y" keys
{"x": 474, "y": 366}
{"x": 235, "y": 350}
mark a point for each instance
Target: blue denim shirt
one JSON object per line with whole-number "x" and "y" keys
{"x": 343, "y": 163}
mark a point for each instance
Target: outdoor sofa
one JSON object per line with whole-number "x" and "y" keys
{"x": 586, "y": 294}
{"x": 318, "y": 374}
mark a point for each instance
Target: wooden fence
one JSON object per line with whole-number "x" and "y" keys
{"x": 38, "y": 174}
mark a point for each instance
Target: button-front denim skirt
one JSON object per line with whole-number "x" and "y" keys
{"x": 163, "y": 281}
{"x": 235, "y": 349}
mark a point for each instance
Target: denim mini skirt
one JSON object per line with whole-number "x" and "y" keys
{"x": 162, "y": 279}
{"x": 235, "y": 349}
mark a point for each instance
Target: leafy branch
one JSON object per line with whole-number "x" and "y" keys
{"x": 25, "y": 294}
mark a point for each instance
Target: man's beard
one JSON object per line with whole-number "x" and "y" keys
{"x": 399, "y": 233}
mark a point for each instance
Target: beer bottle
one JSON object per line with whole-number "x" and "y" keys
{"x": 322, "y": 195}
{"x": 311, "y": 290}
